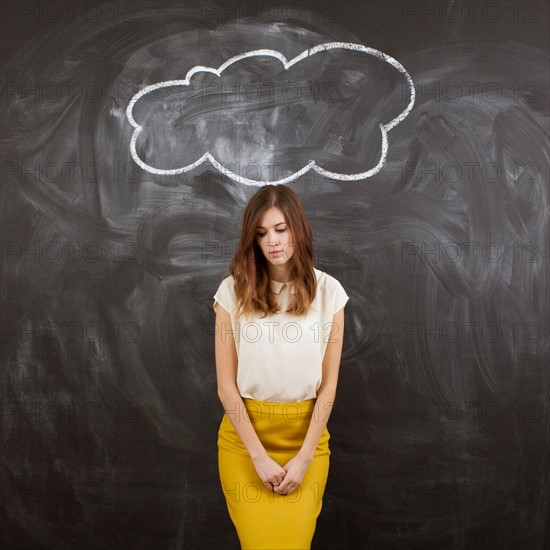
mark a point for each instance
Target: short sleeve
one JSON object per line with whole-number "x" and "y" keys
{"x": 224, "y": 296}
{"x": 339, "y": 296}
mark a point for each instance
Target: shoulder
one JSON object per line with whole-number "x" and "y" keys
{"x": 321, "y": 277}
{"x": 326, "y": 282}
{"x": 229, "y": 281}
{"x": 330, "y": 291}
{"x": 225, "y": 294}
{"x": 228, "y": 286}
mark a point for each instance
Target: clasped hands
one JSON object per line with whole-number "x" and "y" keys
{"x": 281, "y": 479}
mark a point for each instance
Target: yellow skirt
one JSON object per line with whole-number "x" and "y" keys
{"x": 264, "y": 519}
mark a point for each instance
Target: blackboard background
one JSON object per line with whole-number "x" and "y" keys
{"x": 439, "y": 436}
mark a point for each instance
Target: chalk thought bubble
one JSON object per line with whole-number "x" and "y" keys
{"x": 240, "y": 129}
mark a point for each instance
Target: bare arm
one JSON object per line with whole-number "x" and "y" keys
{"x": 226, "y": 374}
{"x": 327, "y": 391}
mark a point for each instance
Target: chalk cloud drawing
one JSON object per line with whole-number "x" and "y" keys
{"x": 384, "y": 127}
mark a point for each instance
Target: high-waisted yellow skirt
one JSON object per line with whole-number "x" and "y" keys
{"x": 264, "y": 519}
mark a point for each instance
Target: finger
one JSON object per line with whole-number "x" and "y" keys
{"x": 285, "y": 489}
{"x": 293, "y": 487}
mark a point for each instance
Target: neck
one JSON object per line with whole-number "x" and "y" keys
{"x": 281, "y": 276}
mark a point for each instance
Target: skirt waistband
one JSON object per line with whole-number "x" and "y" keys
{"x": 279, "y": 407}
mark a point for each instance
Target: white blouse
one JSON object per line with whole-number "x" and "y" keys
{"x": 280, "y": 357}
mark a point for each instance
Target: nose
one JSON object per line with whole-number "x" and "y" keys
{"x": 273, "y": 245}
{"x": 274, "y": 239}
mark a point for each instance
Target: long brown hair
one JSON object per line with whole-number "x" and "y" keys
{"x": 249, "y": 265}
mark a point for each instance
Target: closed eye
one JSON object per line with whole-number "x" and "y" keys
{"x": 277, "y": 230}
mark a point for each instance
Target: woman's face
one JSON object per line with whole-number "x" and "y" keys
{"x": 274, "y": 237}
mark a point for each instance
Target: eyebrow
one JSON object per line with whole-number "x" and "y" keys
{"x": 280, "y": 223}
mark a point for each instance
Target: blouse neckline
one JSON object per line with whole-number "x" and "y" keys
{"x": 276, "y": 286}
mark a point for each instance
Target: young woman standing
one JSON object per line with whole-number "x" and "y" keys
{"x": 278, "y": 344}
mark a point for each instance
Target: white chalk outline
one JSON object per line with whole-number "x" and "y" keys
{"x": 385, "y": 128}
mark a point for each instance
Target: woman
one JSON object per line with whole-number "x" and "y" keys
{"x": 278, "y": 341}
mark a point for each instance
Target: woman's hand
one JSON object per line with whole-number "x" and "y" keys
{"x": 296, "y": 469}
{"x": 271, "y": 473}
